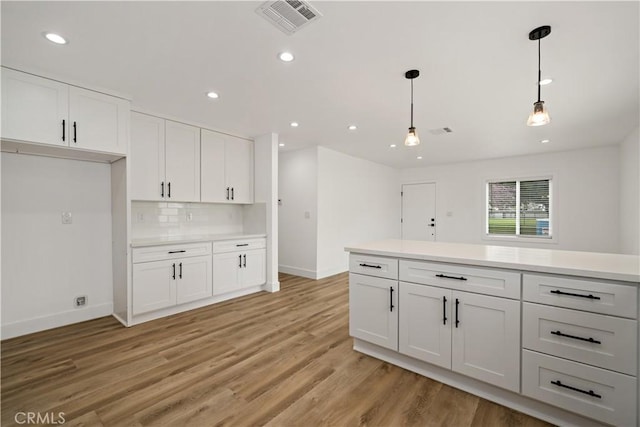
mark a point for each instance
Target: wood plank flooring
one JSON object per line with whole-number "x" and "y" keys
{"x": 282, "y": 359}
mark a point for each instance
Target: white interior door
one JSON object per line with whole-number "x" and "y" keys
{"x": 419, "y": 211}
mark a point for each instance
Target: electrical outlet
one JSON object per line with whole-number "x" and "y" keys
{"x": 140, "y": 217}
{"x": 81, "y": 301}
{"x": 67, "y": 218}
{"x": 189, "y": 216}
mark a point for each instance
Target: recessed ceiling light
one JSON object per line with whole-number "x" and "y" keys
{"x": 544, "y": 141}
{"x": 212, "y": 95}
{"x": 393, "y": 146}
{"x": 545, "y": 81}
{"x": 286, "y": 56}
{"x": 294, "y": 124}
{"x": 55, "y": 38}
{"x": 419, "y": 157}
{"x": 353, "y": 127}
{"x": 281, "y": 144}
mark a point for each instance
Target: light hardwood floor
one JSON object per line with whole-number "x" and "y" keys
{"x": 282, "y": 359}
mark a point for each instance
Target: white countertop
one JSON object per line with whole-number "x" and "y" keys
{"x": 171, "y": 240}
{"x": 585, "y": 264}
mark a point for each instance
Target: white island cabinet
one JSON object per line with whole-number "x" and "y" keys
{"x": 550, "y": 333}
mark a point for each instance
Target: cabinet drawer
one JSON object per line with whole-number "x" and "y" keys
{"x": 595, "y": 393}
{"x": 371, "y": 265}
{"x": 238, "y": 245}
{"x": 581, "y": 294}
{"x": 479, "y": 280}
{"x": 159, "y": 253}
{"x": 603, "y": 341}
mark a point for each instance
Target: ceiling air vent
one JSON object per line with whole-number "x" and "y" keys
{"x": 440, "y": 131}
{"x": 288, "y": 15}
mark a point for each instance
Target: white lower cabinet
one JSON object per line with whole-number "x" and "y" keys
{"x": 238, "y": 265}
{"x": 373, "y": 310}
{"x": 475, "y": 335}
{"x": 166, "y": 276}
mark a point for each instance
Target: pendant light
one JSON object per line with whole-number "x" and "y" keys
{"x": 540, "y": 115}
{"x": 412, "y": 137}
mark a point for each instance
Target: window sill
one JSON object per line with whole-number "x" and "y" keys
{"x": 520, "y": 239}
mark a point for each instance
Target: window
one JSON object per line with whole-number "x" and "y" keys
{"x": 519, "y": 208}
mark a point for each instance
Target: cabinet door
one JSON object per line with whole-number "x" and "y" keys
{"x": 239, "y": 169}
{"x": 373, "y": 310}
{"x": 226, "y": 272}
{"x": 486, "y": 339}
{"x": 97, "y": 121}
{"x": 253, "y": 268}
{"x": 212, "y": 180}
{"x": 154, "y": 286}
{"x": 147, "y": 157}
{"x": 182, "y": 151}
{"x": 425, "y": 323}
{"x": 194, "y": 278}
{"x": 33, "y": 109}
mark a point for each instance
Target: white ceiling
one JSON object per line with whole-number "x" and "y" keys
{"x": 478, "y": 70}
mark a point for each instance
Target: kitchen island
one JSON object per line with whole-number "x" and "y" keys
{"x": 547, "y": 332}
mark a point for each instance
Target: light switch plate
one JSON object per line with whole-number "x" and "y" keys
{"x": 67, "y": 218}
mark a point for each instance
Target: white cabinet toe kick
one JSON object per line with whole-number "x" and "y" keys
{"x": 559, "y": 347}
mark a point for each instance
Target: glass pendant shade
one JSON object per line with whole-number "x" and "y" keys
{"x": 539, "y": 116}
{"x": 412, "y": 138}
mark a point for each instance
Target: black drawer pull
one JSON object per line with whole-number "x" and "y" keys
{"x": 227, "y": 193}
{"x": 444, "y": 310}
{"x": 63, "y": 126}
{"x": 177, "y": 252}
{"x": 444, "y": 276}
{"x": 240, "y": 261}
{"x": 162, "y": 189}
{"x": 174, "y": 271}
{"x": 242, "y": 244}
{"x": 457, "y": 320}
{"x": 560, "y": 334}
{"x": 370, "y": 266}
{"x": 232, "y": 193}
{"x": 180, "y": 275}
{"x": 559, "y": 292}
{"x": 169, "y": 190}
{"x": 75, "y": 133}
{"x": 391, "y": 298}
{"x": 590, "y": 392}
{"x": 244, "y": 262}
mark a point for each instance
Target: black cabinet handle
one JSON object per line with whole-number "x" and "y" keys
{"x": 444, "y": 276}
{"x": 162, "y": 189}
{"x": 242, "y": 244}
{"x": 245, "y": 260}
{"x": 240, "y": 261}
{"x": 174, "y": 271}
{"x": 180, "y": 275}
{"x": 177, "y": 252}
{"x": 391, "y": 298}
{"x": 227, "y": 193}
{"x": 560, "y": 334}
{"x": 559, "y": 292}
{"x": 444, "y": 310}
{"x": 63, "y": 129}
{"x": 169, "y": 190}
{"x": 370, "y": 266}
{"x": 590, "y": 392}
{"x": 231, "y": 193}
{"x": 75, "y": 133}
{"x": 457, "y": 320}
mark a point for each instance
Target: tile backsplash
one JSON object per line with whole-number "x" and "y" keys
{"x": 152, "y": 219}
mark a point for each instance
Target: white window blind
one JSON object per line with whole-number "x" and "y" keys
{"x": 519, "y": 208}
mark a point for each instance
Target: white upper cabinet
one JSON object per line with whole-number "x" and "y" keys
{"x": 165, "y": 160}
{"x": 182, "y": 160}
{"x": 146, "y": 157}
{"x": 34, "y": 109}
{"x": 39, "y": 110}
{"x": 227, "y": 168}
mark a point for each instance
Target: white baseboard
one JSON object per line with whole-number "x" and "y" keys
{"x": 331, "y": 271}
{"x": 38, "y": 324}
{"x": 302, "y": 272}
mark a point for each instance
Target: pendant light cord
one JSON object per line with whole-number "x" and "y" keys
{"x": 412, "y": 102}
{"x": 539, "y": 72}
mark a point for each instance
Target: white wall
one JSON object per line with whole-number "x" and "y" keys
{"x": 586, "y": 186}
{"x": 47, "y": 264}
{"x": 358, "y": 201}
{"x": 630, "y": 194}
{"x": 298, "y": 195}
